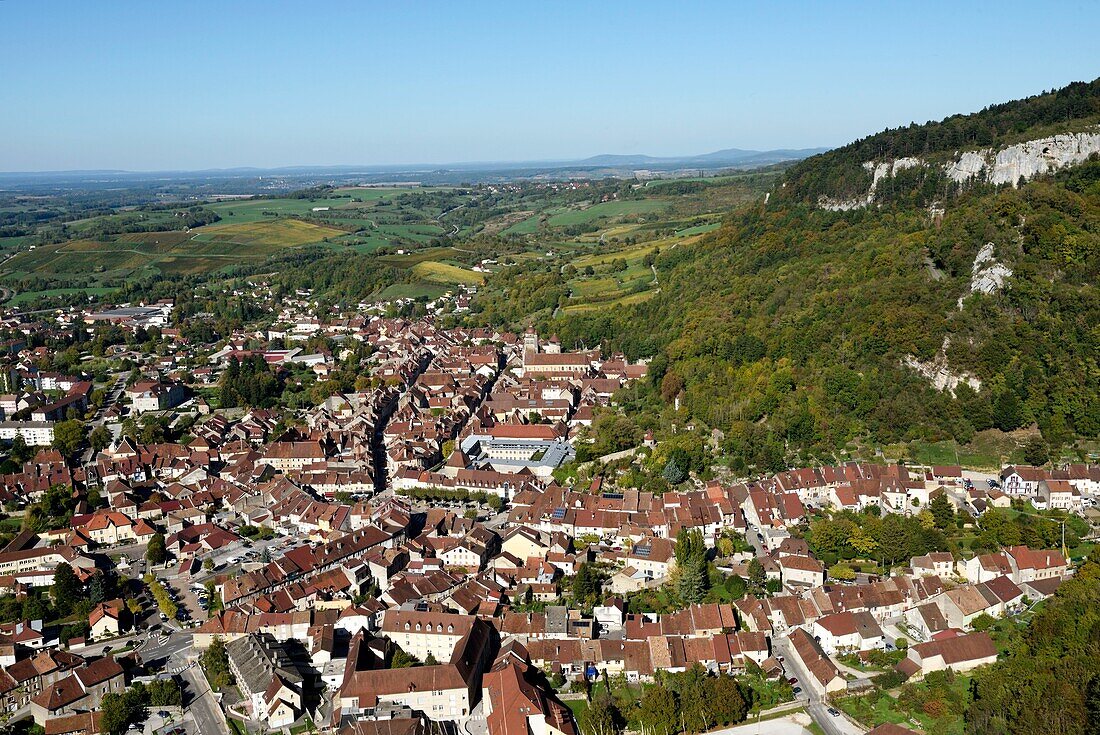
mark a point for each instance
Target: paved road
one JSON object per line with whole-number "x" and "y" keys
{"x": 208, "y": 714}
{"x": 813, "y": 696}
{"x": 174, "y": 651}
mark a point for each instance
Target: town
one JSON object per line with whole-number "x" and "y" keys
{"x": 377, "y": 522}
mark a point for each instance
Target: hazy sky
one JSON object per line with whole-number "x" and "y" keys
{"x": 188, "y": 85}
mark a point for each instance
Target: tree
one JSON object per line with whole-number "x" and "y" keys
{"x": 68, "y": 436}
{"x": 727, "y": 701}
{"x": 691, "y": 565}
{"x": 1008, "y": 411}
{"x": 862, "y": 542}
{"x": 1036, "y": 452}
{"x": 657, "y": 711}
{"x": 215, "y": 662}
{"x": 20, "y": 452}
{"x": 115, "y": 714}
{"x": 601, "y": 717}
{"x": 67, "y": 590}
{"x": 842, "y": 572}
{"x": 402, "y": 660}
{"x": 943, "y": 512}
{"x": 155, "y": 553}
{"x": 100, "y": 438}
{"x": 757, "y": 577}
{"x": 586, "y": 584}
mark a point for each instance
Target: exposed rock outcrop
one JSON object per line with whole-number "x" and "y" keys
{"x": 939, "y": 373}
{"x": 987, "y": 275}
{"x": 1005, "y": 166}
{"x": 1024, "y": 160}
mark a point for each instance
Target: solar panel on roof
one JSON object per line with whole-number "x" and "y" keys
{"x": 613, "y": 496}
{"x": 559, "y": 514}
{"x": 642, "y": 550}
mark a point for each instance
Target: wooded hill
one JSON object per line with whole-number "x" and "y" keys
{"x": 789, "y": 326}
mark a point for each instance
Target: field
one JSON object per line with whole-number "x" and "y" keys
{"x": 437, "y": 272}
{"x": 169, "y": 253}
{"x": 580, "y": 216}
{"x": 278, "y": 233}
{"x": 29, "y": 296}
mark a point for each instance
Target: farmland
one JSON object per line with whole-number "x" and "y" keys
{"x": 601, "y": 236}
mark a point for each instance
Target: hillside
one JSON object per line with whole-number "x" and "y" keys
{"x": 929, "y": 313}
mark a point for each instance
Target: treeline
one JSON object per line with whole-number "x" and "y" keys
{"x": 1049, "y": 679}
{"x": 840, "y": 173}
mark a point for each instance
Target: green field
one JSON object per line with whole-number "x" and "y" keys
{"x": 528, "y": 226}
{"x": 169, "y": 253}
{"x": 579, "y": 216}
{"x": 437, "y": 272}
{"x": 274, "y": 233}
{"x": 413, "y": 291}
{"x": 21, "y": 299}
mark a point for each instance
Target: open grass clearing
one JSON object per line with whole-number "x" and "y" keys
{"x": 581, "y": 216}
{"x": 274, "y": 233}
{"x": 437, "y": 272}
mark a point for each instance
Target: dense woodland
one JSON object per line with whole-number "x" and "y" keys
{"x": 795, "y": 322}
{"x": 840, "y": 173}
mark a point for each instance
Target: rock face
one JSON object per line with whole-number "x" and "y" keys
{"x": 939, "y": 374}
{"x": 1006, "y": 166}
{"x": 878, "y": 172}
{"x": 987, "y": 275}
{"x": 1025, "y": 160}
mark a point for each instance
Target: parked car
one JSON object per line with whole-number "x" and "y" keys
{"x": 833, "y": 711}
{"x": 797, "y": 690}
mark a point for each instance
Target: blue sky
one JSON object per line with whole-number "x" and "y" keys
{"x": 172, "y": 85}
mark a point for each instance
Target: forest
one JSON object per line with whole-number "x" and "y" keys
{"x": 796, "y": 322}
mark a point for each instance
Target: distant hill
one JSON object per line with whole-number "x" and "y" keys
{"x": 725, "y": 157}
{"x": 927, "y": 282}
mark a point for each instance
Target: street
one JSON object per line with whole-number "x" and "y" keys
{"x": 812, "y": 694}
{"x": 206, "y": 711}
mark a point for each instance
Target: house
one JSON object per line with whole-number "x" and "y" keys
{"x": 848, "y": 631}
{"x": 935, "y": 564}
{"x": 1022, "y": 480}
{"x": 80, "y": 691}
{"x": 984, "y": 567}
{"x": 958, "y": 653}
{"x": 926, "y": 620}
{"x": 423, "y": 634}
{"x": 518, "y": 702}
{"x": 801, "y": 570}
{"x": 267, "y": 677}
{"x": 155, "y": 396}
{"x": 1029, "y": 565}
{"x": 447, "y": 691}
{"x": 1060, "y": 495}
{"x": 823, "y": 671}
{"x": 106, "y": 619}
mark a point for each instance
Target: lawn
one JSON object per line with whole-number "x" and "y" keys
{"x": 408, "y": 260}
{"x": 412, "y": 291}
{"x": 634, "y": 298}
{"x": 945, "y": 701}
